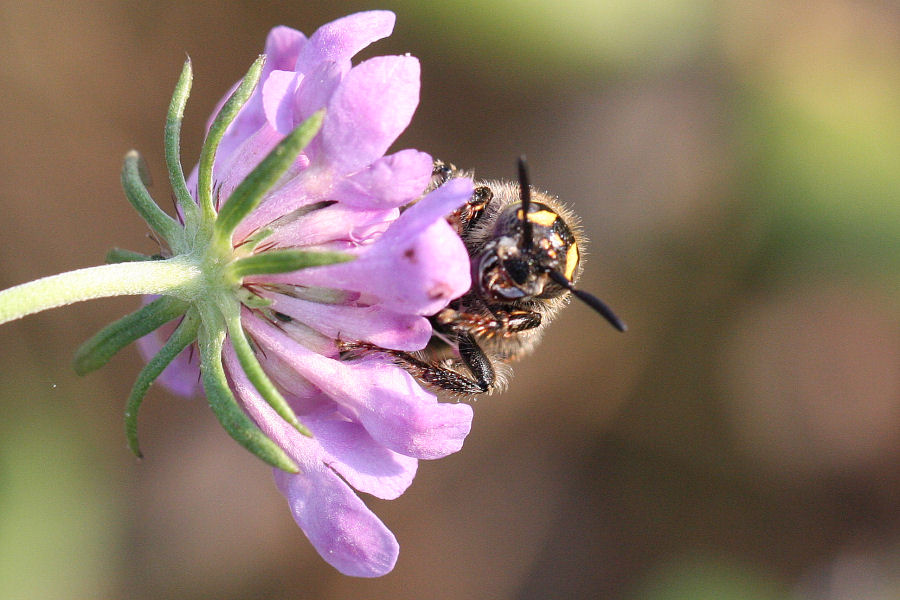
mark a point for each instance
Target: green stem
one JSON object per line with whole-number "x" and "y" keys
{"x": 175, "y": 277}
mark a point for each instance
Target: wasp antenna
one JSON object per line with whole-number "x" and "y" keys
{"x": 589, "y": 299}
{"x": 525, "y": 196}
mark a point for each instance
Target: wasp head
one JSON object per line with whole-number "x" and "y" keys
{"x": 532, "y": 255}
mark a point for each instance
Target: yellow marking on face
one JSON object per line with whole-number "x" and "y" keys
{"x": 571, "y": 261}
{"x": 541, "y": 217}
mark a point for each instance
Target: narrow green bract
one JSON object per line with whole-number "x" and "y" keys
{"x": 222, "y": 401}
{"x": 251, "y": 190}
{"x": 133, "y": 182}
{"x": 185, "y": 334}
{"x": 284, "y": 261}
{"x": 254, "y": 370}
{"x": 173, "y": 146}
{"x": 97, "y": 351}
{"x": 219, "y": 125}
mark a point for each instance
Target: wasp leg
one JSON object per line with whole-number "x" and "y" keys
{"x": 476, "y": 361}
{"x": 441, "y": 173}
{"x": 429, "y": 373}
{"x": 472, "y": 211}
{"x": 467, "y": 215}
{"x": 500, "y": 322}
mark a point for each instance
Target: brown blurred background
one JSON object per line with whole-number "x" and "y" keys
{"x": 737, "y": 167}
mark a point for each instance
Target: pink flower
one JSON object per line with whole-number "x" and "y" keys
{"x": 370, "y": 420}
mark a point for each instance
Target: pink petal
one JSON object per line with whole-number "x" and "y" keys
{"x": 307, "y": 187}
{"x": 434, "y": 208}
{"x": 307, "y": 396}
{"x": 316, "y": 89}
{"x": 340, "y": 40}
{"x": 315, "y": 92}
{"x": 393, "y": 180}
{"x": 278, "y": 92}
{"x": 332, "y": 223}
{"x": 407, "y": 419}
{"x": 341, "y": 528}
{"x": 417, "y": 266}
{"x": 283, "y": 46}
{"x": 384, "y": 398}
{"x": 371, "y": 107}
{"x": 373, "y": 324}
{"x": 363, "y": 463}
{"x": 229, "y": 171}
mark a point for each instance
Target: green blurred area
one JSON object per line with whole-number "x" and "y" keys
{"x": 60, "y": 519}
{"x": 574, "y": 37}
{"x": 737, "y": 168}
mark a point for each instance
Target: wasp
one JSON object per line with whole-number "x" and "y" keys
{"x": 525, "y": 251}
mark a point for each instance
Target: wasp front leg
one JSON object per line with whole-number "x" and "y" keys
{"x": 465, "y": 217}
{"x": 469, "y": 213}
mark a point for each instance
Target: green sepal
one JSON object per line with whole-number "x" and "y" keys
{"x": 255, "y": 373}
{"x": 134, "y": 177}
{"x": 251, "y": 300}
{"x": 224, "y": 405}
{"x": 251, "y": 190}
{"x": 120, "y": 255}
{"x": 284, "y": 261}
{"x": 97, "y": 351}
{"x": 183, "y": 336}
{"x": 219, "y": 125}
{"x": 174, "y": 118}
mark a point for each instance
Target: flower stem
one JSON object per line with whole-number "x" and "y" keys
{"x": 176, "y": 277}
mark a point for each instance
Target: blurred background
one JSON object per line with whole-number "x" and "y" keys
{"x": 737, "y": 168}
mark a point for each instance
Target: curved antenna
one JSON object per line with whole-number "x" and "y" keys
{"x": 589, "y": 299}
{"x": 525, "y": 195}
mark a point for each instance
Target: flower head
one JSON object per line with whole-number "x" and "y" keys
{"x": 292, "y": 181}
